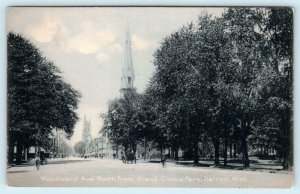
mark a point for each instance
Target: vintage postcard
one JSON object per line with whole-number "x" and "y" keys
{"x": 181, "y": 97}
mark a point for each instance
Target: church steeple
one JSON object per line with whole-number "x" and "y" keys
{"x": 128, "y": 75}
{"x": 86, "y": 132}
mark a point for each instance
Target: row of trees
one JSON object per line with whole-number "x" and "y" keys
{"x": 39, "y": 100}
{"x": 224, "y": 81}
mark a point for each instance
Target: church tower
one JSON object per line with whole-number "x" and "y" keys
{"x": 86, "y": 133}
{"x": 128, "y": 75}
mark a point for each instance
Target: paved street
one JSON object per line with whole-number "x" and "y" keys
{"x": 77, "y": 172}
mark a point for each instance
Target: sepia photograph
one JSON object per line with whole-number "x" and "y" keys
{"x": 151, "y": 97}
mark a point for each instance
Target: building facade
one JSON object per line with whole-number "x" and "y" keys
{"x": 100, "y": 147}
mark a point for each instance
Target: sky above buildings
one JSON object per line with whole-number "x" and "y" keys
{"x": 87, "y": 44}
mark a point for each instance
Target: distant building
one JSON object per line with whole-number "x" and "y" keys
{"x": 100, "y": 147}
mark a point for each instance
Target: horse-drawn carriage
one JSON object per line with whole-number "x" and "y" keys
{"x": 128, "y": 157}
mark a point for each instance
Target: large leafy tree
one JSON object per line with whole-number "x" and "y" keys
{"x": 80, "y": 147}
{"x": 38, "y": 98}
{"x": 261, "y": 41}
{"x": 173, "y": 82}
{"x": 280, "y": 29}
{"x": 123, "y": 123}
{"x": 248, "y": 44}
{"x": 186, "y": 80}
{"x": 157, "y": 125}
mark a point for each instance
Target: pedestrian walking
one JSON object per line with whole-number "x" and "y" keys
{"x": 163, "y": 160}
{"x": 37, "y": 161}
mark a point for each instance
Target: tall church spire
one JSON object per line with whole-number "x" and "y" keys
{"x": 128, "y": 75}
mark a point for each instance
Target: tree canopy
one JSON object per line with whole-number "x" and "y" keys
{"x": 80, "y": 147}
{"x": 222, "y": 81}
{"x": 39, "y": 100}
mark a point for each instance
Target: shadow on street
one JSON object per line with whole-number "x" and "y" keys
{"x": 18, "y": 171}
{"x": 65, "y": 161}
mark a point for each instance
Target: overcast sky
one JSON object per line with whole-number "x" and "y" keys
{"x": 87, "y": 44}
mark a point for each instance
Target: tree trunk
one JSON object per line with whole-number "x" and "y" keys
{"x": 287, "y": 156}
{"x": 246, "y": 162}
{"x": 265, "y": 152}
{"x": 19, "y": 152}
{"x": 176, "y": 154}
{"x": 230, "y": 148}
{"x": 245, "y": 153}
{"x": 234, "y": 149}
{"x": 189, "y": 153}
{"x": 217, "y": 149}
{"x": 225, "y": 152}
{"x": 288, "y": 152}
{"x": 10, "y": 150}
{"x": 161, "y": 153}
{"x": 125, "y": 151}
{"x": 225, "y": 144}
{"x": 117, "y": 152}
{"x": 25, "y": 154}
{"x": 134, "y": 153}
{"x": 196, "y": 155}
{"x": 145, "y": 149}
